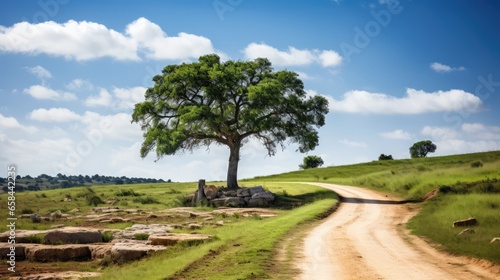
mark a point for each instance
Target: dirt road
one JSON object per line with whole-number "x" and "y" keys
{"x": 366, "y": 239}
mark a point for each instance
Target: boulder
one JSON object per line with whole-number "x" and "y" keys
{"x": 126, "y": 252}
{"x": 243, "y": 192}
{"x": 35, "y": 218}
{"x": 73, "y": 235}
{"x": 258, "y": 202}
{"x": 465, "y": 223}
{"x": 228, "y": 201}
{"x": 269, "y": 196}
{"x": 256, "y": 189}
{"x": 467, "y": 231}
{"x": 5, "y": 248}
{"x": 175, "y": 238}
{"x": 210, "y": 191}
{"x": 47, "y": 253}
{"x": 194, "y": 226}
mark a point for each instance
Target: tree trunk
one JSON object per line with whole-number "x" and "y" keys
{"x": 232, "y": 171}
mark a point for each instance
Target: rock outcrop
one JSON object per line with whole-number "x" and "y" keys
{"x": 73, "y": 235}
{"x": 242, "y": 197}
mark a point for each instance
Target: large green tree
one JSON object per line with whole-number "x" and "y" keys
{"x": 422, "y": 148}
{"x": 311, "y": 162}
{"x": 209, "y": 101}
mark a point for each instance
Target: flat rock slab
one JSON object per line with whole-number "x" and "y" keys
{"x": 171, "y": 239}
{"x": 246, "y": 211}
{"x": 65, "y": 275}
{"x": 22, "y": 236}
{"x": 49, "y": 253}
{"x": 73, "y": 235}
{"x": 126, "y": 252}
{"x": 5, "y": 249}
{"x": 131, "y": 232}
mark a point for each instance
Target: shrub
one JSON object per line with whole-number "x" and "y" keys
{"x": 107, "y": 236}
{"x": 27, "y": 211}
{"x": 127, "y": 193}
{"x": 93, "y": 200}
{"x": 141, "y": 236}
{"x": 476, "y": 164}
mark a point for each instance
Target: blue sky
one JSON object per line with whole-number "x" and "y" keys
{"x": 395, "y": 72}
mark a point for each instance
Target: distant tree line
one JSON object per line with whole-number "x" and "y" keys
{"x": 45, "y": 182}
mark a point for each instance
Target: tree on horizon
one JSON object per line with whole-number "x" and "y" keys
{"x": 226, "y": 103}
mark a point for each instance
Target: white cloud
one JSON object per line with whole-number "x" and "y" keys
{"x": 12, "y": 123}
{"x": 43, "y": 92}
{"x": 79, "y": 84}
{"x": 440, "y": 132}
{"x": 117, "y": 126}
{"x": 330, "y": 58}
{"x": 415, "y": 102}
{"x": 103, "y": 99}
{"x": 54, "y": 115}
{"x": 460, "y": 146}
{"x": 157, "y": 45}
{"x": 293, "y": 56}
{"x": 353, "y": 143}
{"x": 441, "y": 68}
{"x": 40, "y": 72}
{"x": 397, "y": 134}
{"x": 126, "y": 98}
{"x": 95, "y": 41}
{"x": 481, "y": 131}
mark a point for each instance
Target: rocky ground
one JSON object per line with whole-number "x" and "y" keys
{"x": 94, "y": 241}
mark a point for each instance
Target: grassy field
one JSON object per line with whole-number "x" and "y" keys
{"x": 469, "y": 186}
{"x": 243, "y": 248}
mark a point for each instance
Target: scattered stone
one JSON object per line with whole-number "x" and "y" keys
{"x": 56, "y": 214}
{"x": 256, "y": 189}
{"x": 208, "y": 218}
{"x": 131, "y": 232}
{"x": 74, "y": 210}
{"x": 465, "y": 223}
{"x": 171, "y": 239}
{"x": 229, "y": 201}
{"x": 126, "y": 252}
{"x": 194, "y": 226}
{"x": 22, "y": 236}
{"x": 495, "y": 239}
{"x": 19, "y": 251}
{"x": 35, "y": 218}
{"x": 113, "y": 220}
{"x": 73, "y": 235}
{"x": 243, "y": 192}
{"x": 65, "y": 275}
{"x": 210, "y": 191}
{"x": 152, "y": 216}
{"x": 47, "y": 253}
{"x": 100, "y": 251}
{"x": 219, "y": 223}
{"x": 467, "y": 231}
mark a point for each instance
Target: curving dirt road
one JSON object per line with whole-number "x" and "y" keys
{"x": 366, "y": 239}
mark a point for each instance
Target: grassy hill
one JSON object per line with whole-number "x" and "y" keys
{"x": 467, "y": 185}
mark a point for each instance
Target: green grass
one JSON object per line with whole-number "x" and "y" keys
{"x": 243, "y": 249}
{"x": 473, "y": 179}
{"x": 436, "y": 218}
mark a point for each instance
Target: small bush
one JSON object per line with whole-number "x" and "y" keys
{"x": 127, "y": 193}
{"x": 141, "y": 236}
{"x": 93, "y": 200}
{"x": 107, "y": 236}
{"x": 36, "y": 238}
{"x": 27, "y": 211}
{"x": 476, "y": 164}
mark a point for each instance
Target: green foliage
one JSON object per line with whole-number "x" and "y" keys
{"x": 476, "y": 164}
{"x": 36, "y": 238}
{"x": 129, "y": 192}
{"x": 93, "y": 200}
{"x": 141, "y": 236}
{"x": 146, "y": 200}
{"x": 385, "y": 157}
{"x": 209, "y": 101}
{"x": 107, "y": 236}
{"x": 311, "y": 162}
{"x": 422, "y": 148}
{"x": 27, "y": 211}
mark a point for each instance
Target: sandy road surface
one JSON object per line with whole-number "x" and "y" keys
{"x": 365, "y": 239}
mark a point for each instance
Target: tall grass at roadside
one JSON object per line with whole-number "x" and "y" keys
{"x": 436, "y": 218}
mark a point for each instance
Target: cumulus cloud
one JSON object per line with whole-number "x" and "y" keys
{"x": 96, "y": 41}
{"x": 442, "y": 68}
{"x": 54, "y": 115}
{"x": 397, "y": 134}
{"x": 415, "y": 102}
{"x": 481, "y": 131}
{"x": 43, "y": 92}
{"x": 12, "y": 123}
{"x": 293, "y": 56}
{"x": 40, "y": 72}
{"x": 103, "y": 99}
{"x": 439, "y": 132}
{"x": 79, "y": 84}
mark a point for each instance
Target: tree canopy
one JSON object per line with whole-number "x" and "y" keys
{"x": 209, "y": 101}
{"x": 422, "y": 148}
{"x": 385, "y": 157}
{"x": 311, "y": 162}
